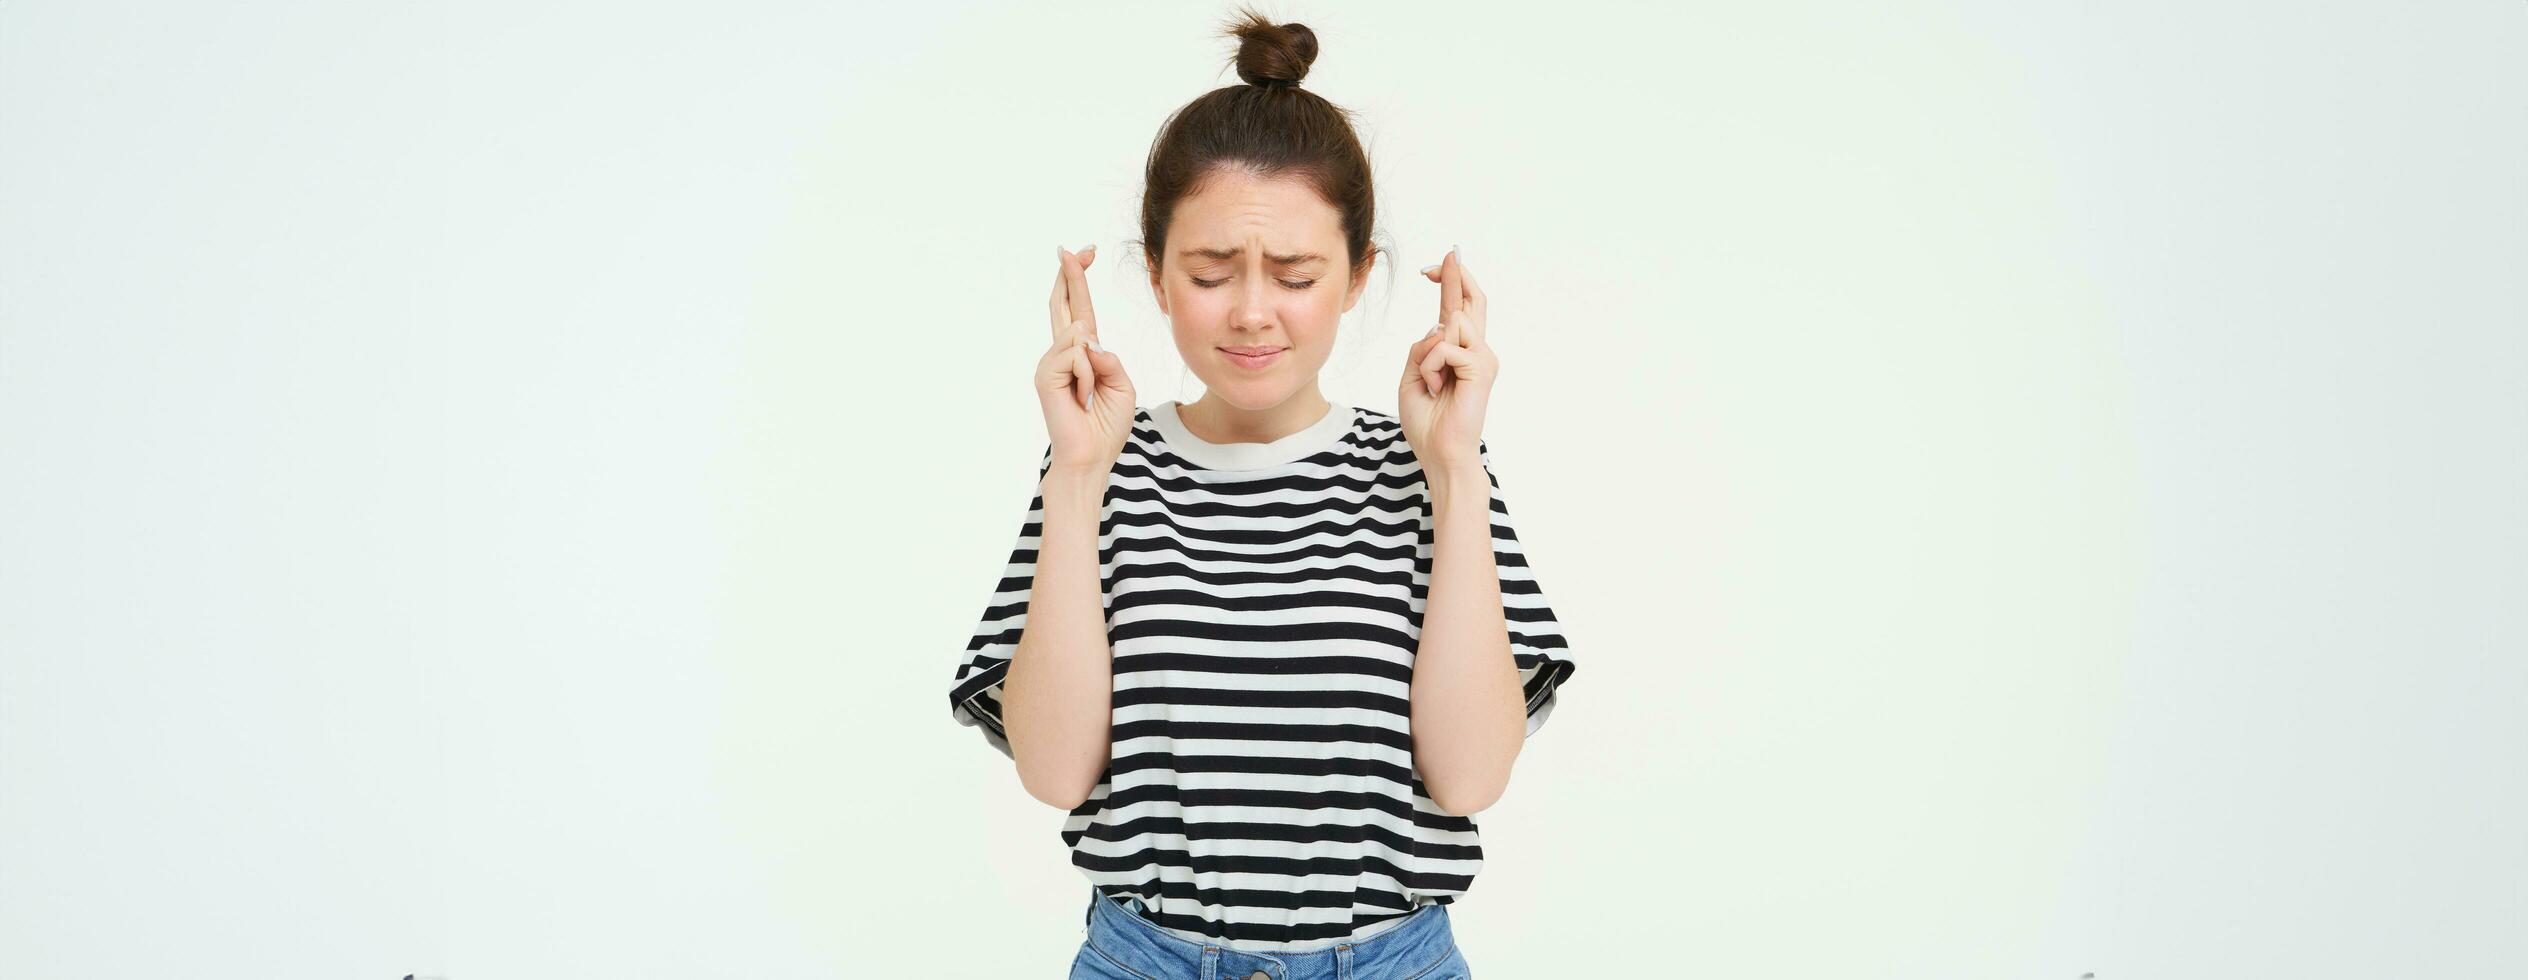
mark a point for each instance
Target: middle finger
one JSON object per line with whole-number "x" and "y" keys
{"x": 1059, "y": 307}
{"x": 1075, "y": 279}
{"x": 1452, "y": 292}
{"x": 1475, "y": 306}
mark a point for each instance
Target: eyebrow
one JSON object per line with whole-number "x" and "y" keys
{"x": 1225, "y": 254}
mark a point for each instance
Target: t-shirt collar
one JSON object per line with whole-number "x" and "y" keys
{"x": 1316, "y": 438}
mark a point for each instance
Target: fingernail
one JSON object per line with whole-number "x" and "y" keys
{"x": 1435, "y": 328}
{"x": 1452, "y": 250}
{"x": 1088, "y": 248}
{"x": 1428, "y": 269}
{"x": 1427, "y": 389}
{"x": 1092, "y": 345}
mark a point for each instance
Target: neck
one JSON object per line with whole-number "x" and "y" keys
{"x": 1213, "y": 419}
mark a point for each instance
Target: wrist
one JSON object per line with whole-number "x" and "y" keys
{"x": 1075, "y": 483}
{"x": 1450, "y": 483}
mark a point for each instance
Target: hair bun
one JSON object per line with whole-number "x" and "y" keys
{"x": 1271, "y": 54}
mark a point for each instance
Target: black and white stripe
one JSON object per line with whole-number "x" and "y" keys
{"x": 1261, "y": 791}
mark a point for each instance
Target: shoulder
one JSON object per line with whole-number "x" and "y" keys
{"x": 1377, "y": 425}
{"x": 1377, "y": 439}
{"x": 1384, "y": 429}
{"x": 1140, "y": 420}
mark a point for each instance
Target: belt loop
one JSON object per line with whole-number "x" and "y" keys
{"x": 1343, "y": 962}
{"x": 1211, "y": 963}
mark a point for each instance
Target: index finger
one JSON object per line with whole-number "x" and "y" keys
{"x": 1059, "y": 306}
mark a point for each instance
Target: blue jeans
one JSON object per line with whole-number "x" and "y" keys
{"x": 1123, "y": 946}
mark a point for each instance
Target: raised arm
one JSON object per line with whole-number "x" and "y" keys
{"x": 1057, "y": 702}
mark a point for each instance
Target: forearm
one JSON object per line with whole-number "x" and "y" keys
{"x": 1469, "y": 715}
{"x": 1056, "y": 703}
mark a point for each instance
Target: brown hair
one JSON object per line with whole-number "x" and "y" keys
{"x": 1268, "y": 127}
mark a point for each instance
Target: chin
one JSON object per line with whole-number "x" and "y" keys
{"x": 1251, "y": 394}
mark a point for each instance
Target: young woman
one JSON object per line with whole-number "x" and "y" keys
{"x": 1270, "y": 652}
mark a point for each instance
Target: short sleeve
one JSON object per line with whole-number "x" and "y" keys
{"x": 1536, "y": 640}
{"x": 974, "y": 694}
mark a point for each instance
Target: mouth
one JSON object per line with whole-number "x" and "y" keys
{"x": 1253, "y": 357}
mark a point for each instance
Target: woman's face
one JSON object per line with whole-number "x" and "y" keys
{"x": 1255, "y": 265}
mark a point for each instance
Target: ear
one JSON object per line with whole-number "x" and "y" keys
{"x": 1158, "y": 292}
{"x": 1360, "y": 281}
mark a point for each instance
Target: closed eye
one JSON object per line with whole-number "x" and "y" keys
{"x": 1209, "y": 283}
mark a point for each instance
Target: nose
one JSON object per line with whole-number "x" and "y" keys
{"x": 1254, "y": 307}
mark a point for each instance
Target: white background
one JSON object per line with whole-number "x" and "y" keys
{"x": 500, "y": 490}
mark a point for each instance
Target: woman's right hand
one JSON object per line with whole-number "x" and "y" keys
{"x": 1087, "y": 398}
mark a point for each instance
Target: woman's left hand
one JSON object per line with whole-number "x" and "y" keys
{"x": 1448, "y": 378}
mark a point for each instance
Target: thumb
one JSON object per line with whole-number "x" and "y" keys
{"x": 1420, "y": 351}
{"x": 1083, "y": 376}
{"x": 1109, "y": 368}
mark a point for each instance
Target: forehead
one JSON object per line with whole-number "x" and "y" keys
{"x": 1233, "y": 207}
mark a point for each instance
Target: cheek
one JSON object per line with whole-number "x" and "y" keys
{"x": 1208, "y": 310}
{"x": 1314, "y": 312}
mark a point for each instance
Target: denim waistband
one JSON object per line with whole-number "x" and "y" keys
{"x": 1407, "y": 950}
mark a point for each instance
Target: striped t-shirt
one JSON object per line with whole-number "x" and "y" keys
{"x": 1264, "y": 602}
